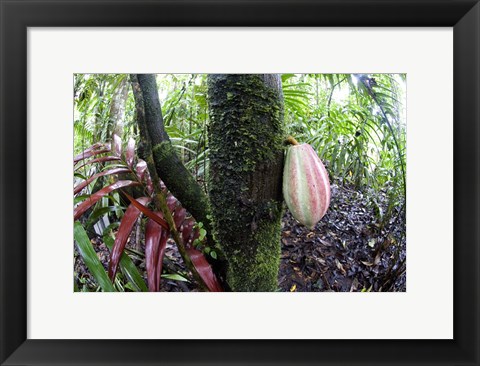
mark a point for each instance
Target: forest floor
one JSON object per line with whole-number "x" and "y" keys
{"x": 348, "y": 250}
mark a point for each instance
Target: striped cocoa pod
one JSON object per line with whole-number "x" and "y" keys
{"x": 306, "y": 188}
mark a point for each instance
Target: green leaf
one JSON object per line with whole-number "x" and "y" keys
{"x": 80, "y": 198}
{"x": 90, "y": 257}
{"x": 285, "y": 77}
{"x": 175, "y": 277}
{"x": 100, "y": 212}
{"x": 81, "y": 176}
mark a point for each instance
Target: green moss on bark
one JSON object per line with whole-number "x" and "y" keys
{"x": 254, "y": 266}
{"x": 246, "y": 162}
{"x": 180, "y": 182}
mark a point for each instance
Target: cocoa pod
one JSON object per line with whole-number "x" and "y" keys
{"x": 306, "y": 187}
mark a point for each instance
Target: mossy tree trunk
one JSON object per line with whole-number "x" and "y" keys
{"x": 163, "y": 162}
{"x": 246, "y": 165}
{"x": 168, "y": 165}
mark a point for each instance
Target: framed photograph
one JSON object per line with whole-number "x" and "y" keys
{"x": 375, "y": 105}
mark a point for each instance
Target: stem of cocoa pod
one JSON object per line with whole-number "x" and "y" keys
{"x": 290, "y": 140}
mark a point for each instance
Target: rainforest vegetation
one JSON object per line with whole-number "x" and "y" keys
{"x": 178, "y": 182}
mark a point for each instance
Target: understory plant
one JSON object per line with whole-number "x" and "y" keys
{"x": 107, "y": 173}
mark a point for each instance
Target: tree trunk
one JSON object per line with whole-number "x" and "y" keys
{"x": 168, "y": 164}
{"x": 246, "y": 165}
{"x": 97, "y": 134}
{"x": 117, "y": 108}
{"x": 150, "y": 123}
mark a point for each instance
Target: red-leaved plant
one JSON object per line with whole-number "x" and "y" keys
{"x": 157, "y": 230}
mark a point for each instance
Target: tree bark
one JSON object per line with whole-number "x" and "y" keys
{"x": 117, "y": 108}
{"x": 168, "y": 165}
{"x": 246, "y": 166}
{"x": 97, "y": 134}
{"x": 159, "y": 199}
{"x": 170, "y": 168}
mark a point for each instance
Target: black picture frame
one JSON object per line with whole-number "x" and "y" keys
{"x": 18, "y": 15}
